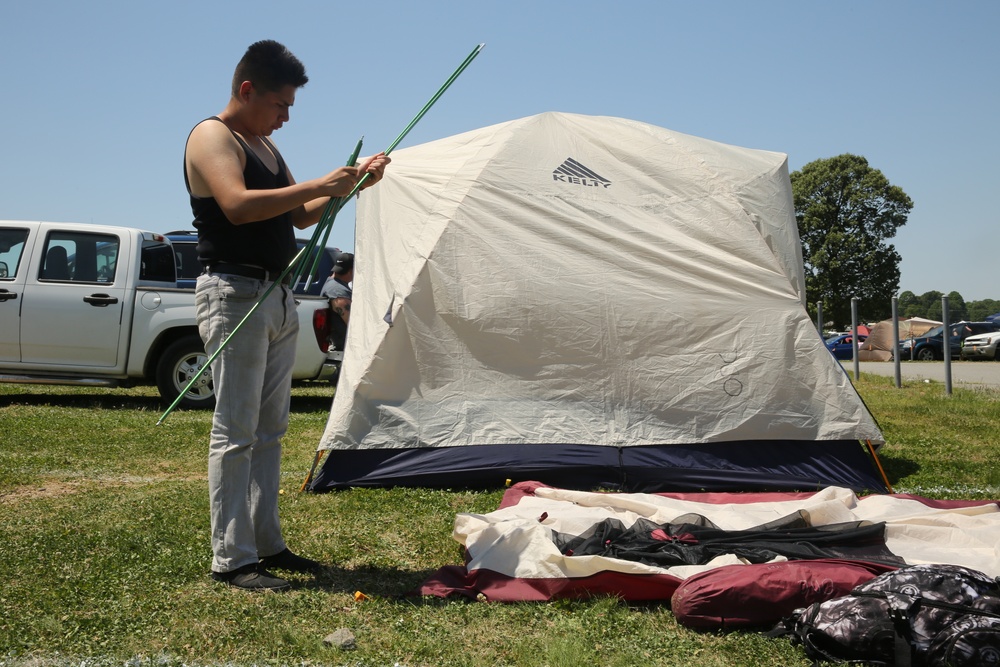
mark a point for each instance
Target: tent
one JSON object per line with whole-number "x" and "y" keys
{"x": 878, "y": 346}
{"x": 587, "y": 302}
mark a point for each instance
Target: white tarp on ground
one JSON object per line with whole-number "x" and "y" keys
{"x": 515, "y": 542}
{"x": 574, "y": 279}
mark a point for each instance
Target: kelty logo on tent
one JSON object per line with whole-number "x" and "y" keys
{"x": 572, "y": 171}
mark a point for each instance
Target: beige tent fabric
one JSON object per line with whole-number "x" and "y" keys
{"x": 573, "y": 279}
{"x": 878, "y": 347}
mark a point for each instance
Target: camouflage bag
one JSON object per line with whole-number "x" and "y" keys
{"x": 921, "y": 615}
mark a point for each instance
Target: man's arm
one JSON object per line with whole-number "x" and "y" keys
{"x": 215, "y": 163}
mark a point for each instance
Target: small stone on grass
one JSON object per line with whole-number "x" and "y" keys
{"x": 341, "y": 638}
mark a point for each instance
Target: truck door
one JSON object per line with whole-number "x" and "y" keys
{"x": 13, "y": 241}
{"x": 72, "y": 310}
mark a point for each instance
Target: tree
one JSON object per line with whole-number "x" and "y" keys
{"x": 909, "y": 306}
{"x": 934, "y": 309}
{"x": 957, "y": 310}
{"x": 927, "y": 305}
{"x": 980, "y": 310}
{"x": 846, "y": 211}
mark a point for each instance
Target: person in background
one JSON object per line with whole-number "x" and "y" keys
{"x": 337, "y": 288}
{"x": 246, "y": 207}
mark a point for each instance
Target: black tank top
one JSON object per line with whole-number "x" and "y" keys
{"x": 269, "y": 244}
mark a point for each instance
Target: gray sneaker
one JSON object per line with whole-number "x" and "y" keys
{"x": 252, "y": 577}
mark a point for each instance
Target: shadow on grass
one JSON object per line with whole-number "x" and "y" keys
{"x": 381, "y": 582}
{"x": 897, "y": 469}
{"x": 111, "y": 399}
{"x": 80, "y": 400}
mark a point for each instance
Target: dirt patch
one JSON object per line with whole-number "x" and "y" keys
{"x": 54, "y": 488}
{"x": 48, "y": 489}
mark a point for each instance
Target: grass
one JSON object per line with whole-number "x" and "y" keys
{"x": 104, "y": 547}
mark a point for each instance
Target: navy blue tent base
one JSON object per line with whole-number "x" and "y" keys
{"x": 780, "y": 465}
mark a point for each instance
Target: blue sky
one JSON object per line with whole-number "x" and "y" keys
{"x": 99, "y": 96}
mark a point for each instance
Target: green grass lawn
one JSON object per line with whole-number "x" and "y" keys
{"x": 104, "y": 549}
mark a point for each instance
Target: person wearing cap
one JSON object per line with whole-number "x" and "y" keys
{"x": 338, "y": 292}
{"x": 337, "y": 288}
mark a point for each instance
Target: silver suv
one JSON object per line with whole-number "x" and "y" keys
{"x": 981, "y": 346}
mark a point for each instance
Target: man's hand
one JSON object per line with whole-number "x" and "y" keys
{"x": 340, "y": 181}
{"x": 374, "y": 166}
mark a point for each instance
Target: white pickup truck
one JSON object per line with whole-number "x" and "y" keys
{"x": 98, "y": 305}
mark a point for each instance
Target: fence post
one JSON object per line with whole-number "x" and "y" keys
{"x": 854, "y": 337}
{"x": 946, "y": 344}
{"x": 819, "y": 317}
{"x": 895, "y": 341}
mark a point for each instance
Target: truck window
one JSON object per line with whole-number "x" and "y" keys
{"x": 188, "y": 266}
{"x": 11, "y": 249}
{"x": 157, "y": 263}
{"x": 79, "y": 257}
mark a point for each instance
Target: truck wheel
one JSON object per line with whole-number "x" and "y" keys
{"x": 925, "y": 354}
{"x": 182, "y": 360}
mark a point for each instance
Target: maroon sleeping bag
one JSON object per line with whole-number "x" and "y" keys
{"x": 741, "y": 596}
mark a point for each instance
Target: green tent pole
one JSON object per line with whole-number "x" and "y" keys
{"x": 325, "y": 225}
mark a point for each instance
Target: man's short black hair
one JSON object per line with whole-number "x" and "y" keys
{"x": 269, "y": 66}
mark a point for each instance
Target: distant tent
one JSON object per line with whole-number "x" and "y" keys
{"x": 878, "y": 346}
{"x": 586, "y": 302}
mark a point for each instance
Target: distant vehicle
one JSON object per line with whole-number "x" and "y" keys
{"x": 842, "y": 346}
{"x": 982, "y": 346}
{"x": 930, "y": 346}
{"x": 185, "y": 244}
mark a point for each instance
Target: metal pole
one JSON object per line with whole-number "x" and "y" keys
{"x": 819, "y": 317}
{"x": 895, "y": 341}
{"x": 946, "y": 344}
{"x": 854, "y": 337}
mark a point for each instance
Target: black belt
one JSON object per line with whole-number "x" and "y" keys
{"x": 248, "y": 272}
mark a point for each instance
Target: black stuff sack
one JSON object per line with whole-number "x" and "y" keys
{"x": 917, "y": 616}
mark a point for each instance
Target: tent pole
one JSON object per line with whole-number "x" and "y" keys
{"x": 878, "y": 464}
{"x": 308, "y": 480}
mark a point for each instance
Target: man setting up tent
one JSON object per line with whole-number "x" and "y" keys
{"x": 246, "y": 207}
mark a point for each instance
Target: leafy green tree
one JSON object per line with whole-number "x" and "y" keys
{"x": 932, "y": 304}
{"x": 957, "y": 309}
{"x": 980, "y": 310}
{"x": 846, "y": 212}
{"x": 909, "y": 305}
{"x": 928, "y": 305}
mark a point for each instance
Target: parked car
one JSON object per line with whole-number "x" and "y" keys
{"x": 982, "y": 346}
{"x": 185, "y": 244}
{"x": 843, "y": 345}
{"x": 929, "y": 347}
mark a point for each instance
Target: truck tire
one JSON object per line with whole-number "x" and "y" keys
{"x": 182, "y": 360}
